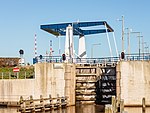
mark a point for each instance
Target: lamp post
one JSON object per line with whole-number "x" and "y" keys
{"x": 147, "y": 49}
{"x": 128, "y": 38}
{"x": 93, "y": 47}
{"x": 143, "y": 46}
{"x": 139, "y": 35}
{"x": 122, "y": 32}
{"x": 139, "y": 44}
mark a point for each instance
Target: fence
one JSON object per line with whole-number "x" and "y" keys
{"x": 16, "y": 75}
{"x": 58, "y": 59}
{"x": 42, "y": 104}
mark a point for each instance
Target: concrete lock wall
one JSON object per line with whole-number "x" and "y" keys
{"x": 11, "y": 90}
{"x": 50, "y": 78}
{"x": 70, "y": 83}
{"x": 133, "y": 77}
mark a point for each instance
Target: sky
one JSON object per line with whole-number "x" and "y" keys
{"x": 20, "y": 20}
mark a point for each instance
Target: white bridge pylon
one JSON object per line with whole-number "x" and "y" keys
{"x": 69, "y": 45}
{"x": 82, "y": 49}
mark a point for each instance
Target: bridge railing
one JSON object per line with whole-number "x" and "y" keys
{"x": 58, "y": 59}
{"x": 96, "y": 60}
{"x": 48, "y": 59}
{"x": 133, "y": 57}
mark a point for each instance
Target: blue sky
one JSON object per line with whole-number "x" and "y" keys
{"x": 21, "y": 19}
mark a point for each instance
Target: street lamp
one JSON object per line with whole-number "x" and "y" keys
{"x": 122, "y": 32}
{"x": 93, "y": 47}
{"x": 139, "y": 35}
{"x": 128, "y": 39}
{"x": 143, "y": 46}
{"x": 147, "y": 49}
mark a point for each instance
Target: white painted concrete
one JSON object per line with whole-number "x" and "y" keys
{"x": 135, "y": 81}
{"x": 49, "y": 79}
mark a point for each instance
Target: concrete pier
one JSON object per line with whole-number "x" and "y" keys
{"x": 133, "y": 82}
{"x": 130, "y": 78}
{"x": 69, "y": 77}
{"x": 50, "y": 78}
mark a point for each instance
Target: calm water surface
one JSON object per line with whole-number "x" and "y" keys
{"x": 80, "y": 109}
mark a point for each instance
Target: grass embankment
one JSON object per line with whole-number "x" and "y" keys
{"x": 24, "y": 72}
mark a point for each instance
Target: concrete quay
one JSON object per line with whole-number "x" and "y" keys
{"x": 76, "y": 82}
{"x": 50, "y": 79}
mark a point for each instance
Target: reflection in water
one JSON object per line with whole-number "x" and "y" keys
{"x": 80, "y": 109}
{"x": 72, "y": 109}
{"x": 8, "y": 110}
{"x": 88, "y": 109}
{"x": 136, "y": 110}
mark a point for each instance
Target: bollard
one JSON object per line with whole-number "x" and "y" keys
{"x": 110, "y": 109}
{"x": 22, "y": 104}
{"x": 42, "y": 103}
{"x": 143, "y": 105}
{"x": 58, "y": 103}
{"x": 21, "y": 100}
{"x": 32, "y": 103}
{"x": 121, "y": 105}
{"x": 113, "y": 102}
{"x": 106, "y": 109}
{"x": 51, "y": 101}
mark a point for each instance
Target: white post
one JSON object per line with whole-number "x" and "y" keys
{"x": 59, "y": 51}
{"x": 108, "y": 41}
{"x": 2, "y": 75}
{"x": 143, "y": 46}
{"x": 128, "y": 41}
{"x": 69, "y": 44}
{"x": 82, "y": 50}
{"x": 122, "y": 33}
{"x": 115, "y": 44}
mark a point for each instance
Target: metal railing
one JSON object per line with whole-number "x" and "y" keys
{"x": 49, "y": 59}
{"x": 96, "y": 60}
{"x": 16, "y": 75}
{"x": 128, "y": 57}
{"x": 135, "y": 57}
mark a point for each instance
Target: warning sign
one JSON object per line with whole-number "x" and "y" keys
{"x": 16, "y": 69}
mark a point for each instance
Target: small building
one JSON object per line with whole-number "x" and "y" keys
{"x": 9, "y": 61}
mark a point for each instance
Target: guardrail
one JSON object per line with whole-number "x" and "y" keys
{"x": 58, "y": 59}
{"x": 42, "y": 104}
{"x": 136, "y": 57}
{"x": 16, "y": 75}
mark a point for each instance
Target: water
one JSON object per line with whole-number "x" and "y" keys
{"x": 80, "y": 109}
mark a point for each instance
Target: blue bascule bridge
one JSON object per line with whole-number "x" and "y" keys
{"x": 80, "y": 29}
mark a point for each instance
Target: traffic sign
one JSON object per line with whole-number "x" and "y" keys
{"x": 16, "y": 69}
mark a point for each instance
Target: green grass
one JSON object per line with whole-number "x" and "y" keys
{"x": 25, "y": 72}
